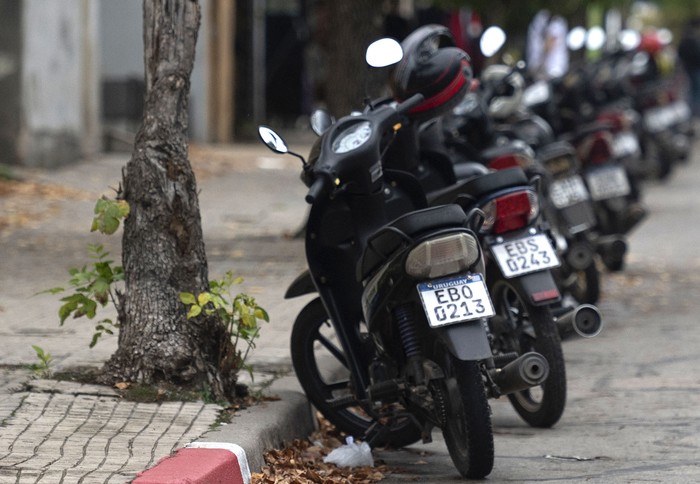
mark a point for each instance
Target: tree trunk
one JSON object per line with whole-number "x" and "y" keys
{"x": 163, "y": 249}
{"x": 353, "y": 24}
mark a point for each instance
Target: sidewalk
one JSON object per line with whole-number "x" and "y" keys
{"x": 250, "y": 200}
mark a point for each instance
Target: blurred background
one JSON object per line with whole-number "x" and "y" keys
{"x": 71, "y": 71}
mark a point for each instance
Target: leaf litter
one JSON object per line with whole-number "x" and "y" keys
{"x": 301, "y": 461}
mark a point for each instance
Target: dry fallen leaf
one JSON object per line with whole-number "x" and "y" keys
{"x": 301, "y": 462}
{"x": 122, "y": 385}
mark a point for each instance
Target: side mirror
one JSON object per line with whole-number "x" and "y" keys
{"x": 383, "y": 53}
{"x": 320, "y": 121}
{"x": 272, "y": 140}
{"x": 492, "y": 40}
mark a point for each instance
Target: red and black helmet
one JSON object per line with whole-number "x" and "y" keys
{"x": 434, "y": 67}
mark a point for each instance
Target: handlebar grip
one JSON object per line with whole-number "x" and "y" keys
{"x": 318, "y": 188}
{"x": 410, "y": 103}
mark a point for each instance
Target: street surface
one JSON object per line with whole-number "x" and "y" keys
{"x": 633, "y": 411}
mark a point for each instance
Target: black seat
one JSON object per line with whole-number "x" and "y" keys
{"x": 400, "y": 232}
{"x": 495, "y": 181}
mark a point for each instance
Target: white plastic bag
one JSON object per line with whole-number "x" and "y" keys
{"x": 351, "y": 455}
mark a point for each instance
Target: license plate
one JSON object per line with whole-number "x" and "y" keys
{"x": 522, "y": 256}
{"x": 658, "y": 119}
{"x": 568, "y": 191}
{"x": 455, "y": 300}
{"x": 625, "y": 144}
{"x": 608, "y": 182}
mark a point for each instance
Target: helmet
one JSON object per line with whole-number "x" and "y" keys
{"x": 503, "y": 90}
{"x": 433, "y": 67}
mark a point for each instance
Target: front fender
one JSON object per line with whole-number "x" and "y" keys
{"x": 303, "y": 284}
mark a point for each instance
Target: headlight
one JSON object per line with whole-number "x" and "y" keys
{"x": 442, "y": 256}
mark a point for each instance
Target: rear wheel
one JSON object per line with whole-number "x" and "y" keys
{"x": 582, "y": 284}
{"x": 321, "y": 367}
{"x": 521, "y": 328}
{"x": 467, "y": 427}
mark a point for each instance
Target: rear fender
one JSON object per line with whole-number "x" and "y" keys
{"x": 466, "y": 341}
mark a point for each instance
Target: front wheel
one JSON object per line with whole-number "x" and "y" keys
{"x": 523, "y": 327}
{"x": 467, "y": 427}
{"x": 321, "y": 367}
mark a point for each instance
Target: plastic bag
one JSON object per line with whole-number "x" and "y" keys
{"x": 351, "y": 455}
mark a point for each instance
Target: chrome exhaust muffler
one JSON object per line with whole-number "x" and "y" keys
{"x": 528, "y": 370}
{"x": 584, "y": 320}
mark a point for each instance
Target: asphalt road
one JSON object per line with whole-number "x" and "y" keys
{"x": 633, "y": 410}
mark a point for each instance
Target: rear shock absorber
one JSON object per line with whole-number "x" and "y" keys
{"x": 407, "y": 331}
{"x": 403, "y": 317}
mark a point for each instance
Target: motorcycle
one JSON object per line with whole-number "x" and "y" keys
{"x": 519, "y": 254}
{"x": 397, "y": 342}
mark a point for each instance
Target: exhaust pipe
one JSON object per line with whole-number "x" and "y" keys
{"x": 584, "y": 321}
{"x": 528, "y": 370}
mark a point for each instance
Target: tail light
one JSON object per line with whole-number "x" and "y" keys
{"x": 441, "y": 256}
{"x": 600, "y": 151}
{"x": 510, "y": 212}
{"x": 514, "y": 160}
{"x": 616, "y": 120}
{"x": 595, "y": 149}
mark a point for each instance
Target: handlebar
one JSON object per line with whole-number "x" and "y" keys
{"x": 409, "y": 103}
{"x": 318, "y": 188}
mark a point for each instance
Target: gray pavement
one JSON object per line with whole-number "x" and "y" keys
{"x": 251, "y": 201}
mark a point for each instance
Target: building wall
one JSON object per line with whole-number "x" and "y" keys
{"x": 59, "y": 82}
{"x": 122, "y": 64}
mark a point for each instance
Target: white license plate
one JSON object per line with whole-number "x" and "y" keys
{"x": 568, "y": 191}
{"x": 658, "y": 119}
{"x": 455, "y": 300}
{"x": 522, "y": 256}
{"x": 625, "y": 144}
{"x": 608, "y": 182}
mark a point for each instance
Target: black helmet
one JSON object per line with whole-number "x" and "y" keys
{"x": 434, "y": 67}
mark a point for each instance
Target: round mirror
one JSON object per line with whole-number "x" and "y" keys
{"x": 596, "y": 38}
{"x": 576, "y": 38}
{"x": 629, "y": 39}
{"x": 383, "y": 52}
{"x": 272, "y": 140}
{"x": 492, "y": 40}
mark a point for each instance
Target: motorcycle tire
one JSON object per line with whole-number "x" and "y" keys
{"x": 532, "y": 328}
{"x": 582, "y": 284}
{"x": 467, "y": 428}
{"x": 319, "y": 363}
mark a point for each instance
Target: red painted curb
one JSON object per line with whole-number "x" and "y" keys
{"x": 197, "y": 465}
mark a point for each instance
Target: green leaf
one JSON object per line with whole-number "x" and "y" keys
{"x": 194, "y": 311}
{"x": 187, "y": 298}
{"x": 204, "y": 298}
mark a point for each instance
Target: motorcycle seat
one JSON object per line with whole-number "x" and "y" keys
{"x": 475, "y": 188}
{"x": 402, "y": 231}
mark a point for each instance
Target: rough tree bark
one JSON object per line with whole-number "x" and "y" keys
{"x": 353, "y": 25}
{"x": 162, "y": 248}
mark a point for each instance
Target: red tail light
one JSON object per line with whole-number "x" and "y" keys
{"x": 510, "y": 212}
{"x": 596, "y": 148}
{"x": 599, "y": 151}
{"x": 616, "y": 120}
{"x": 513, "y": 160}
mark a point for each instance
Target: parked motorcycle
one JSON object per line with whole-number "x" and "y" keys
{"x": 519, "y": 254}
{"x": 401, "y": 289}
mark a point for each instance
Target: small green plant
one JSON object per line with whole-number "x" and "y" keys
{"x": 43, "y": 367}
{"x": 94, "y": 287}
{"x": 240, "y": 314}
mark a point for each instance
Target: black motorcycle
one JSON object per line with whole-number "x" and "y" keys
{"x": 397, "y": 342}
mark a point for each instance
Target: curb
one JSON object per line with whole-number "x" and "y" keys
{"x": 216, "y": 459}
{"x": 200, "y": 462}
